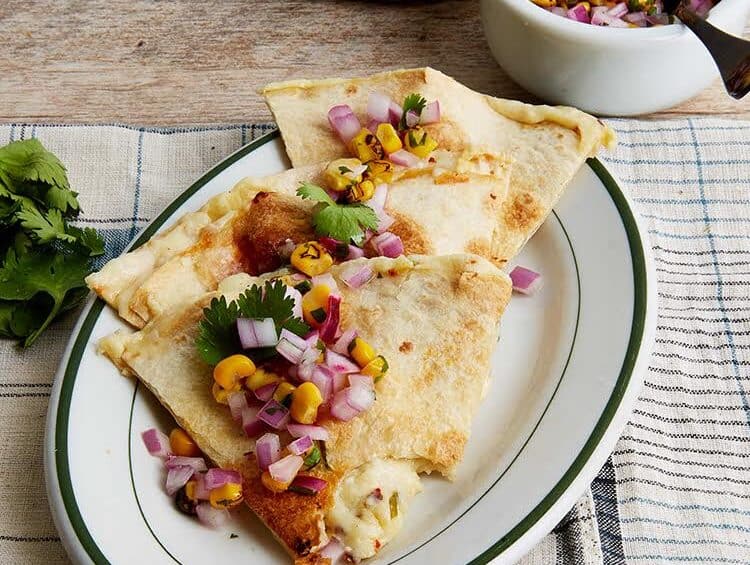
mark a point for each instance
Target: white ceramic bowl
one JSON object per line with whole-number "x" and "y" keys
{"x": 608, "y": 71}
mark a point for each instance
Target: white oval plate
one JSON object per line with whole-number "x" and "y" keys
{"x": 566, "y": 371}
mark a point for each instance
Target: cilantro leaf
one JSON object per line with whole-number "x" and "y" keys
{"x": 413, "y": 102}
{"x": 62, "y": 199}
{"x": 88, "y": 239}
{"x": 44, "y": 281}
{"x": 44, "y": 227}
{"x": 28, "y": 160}
{"x": 217, "y": 333}
{"x": 345, "y": 222}
{"x": 7, "y": 308}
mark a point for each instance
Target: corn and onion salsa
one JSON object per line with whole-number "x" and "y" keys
{"x": 620, "y": 13}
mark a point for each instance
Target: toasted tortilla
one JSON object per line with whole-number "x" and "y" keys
{"x": 435, "y": 319}
{"x": 548, "y": 144}
{"x": 437, "y": 211}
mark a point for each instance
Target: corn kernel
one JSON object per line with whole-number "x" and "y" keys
{"x": 230, "y": 371}
{"x": 388, "y": 137}
{"x": 379, "y": 172}
{"x": 366, "y": 146}
{"x": 361, "y": 351}
{"x": 311, "y": 258}
{"x": 221, "y": 395}
{"x": 282, "y": 391}
{"x": 225, "y": 496}
{"x": 419, "y": 142}
{"x": 305, "y": 401}
{"x": 261, "y": 378}
{"x": 376, "y": 368}
{"x": 182, "y": 444}
{"x": 272, "y": 484}
{"x": 360, "y": 192}
{"x": 544, "y": 3}
{"x": 190, "y": 487}
{"x": 338, "y": 174}
{"x": 314, "y": 304}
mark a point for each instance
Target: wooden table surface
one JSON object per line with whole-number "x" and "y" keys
{"x": 183, "y": 62}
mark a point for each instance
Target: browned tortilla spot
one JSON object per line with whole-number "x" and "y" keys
{"x": 411, "y": 234}
{"x": 523, "y": 212}
{"x": 451, "y": 177}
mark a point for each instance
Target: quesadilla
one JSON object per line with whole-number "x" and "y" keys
{"x": 547, "y": 144}
{"x": 435, "y": 319}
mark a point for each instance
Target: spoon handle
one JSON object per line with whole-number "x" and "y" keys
{"x": 731, "y": 53}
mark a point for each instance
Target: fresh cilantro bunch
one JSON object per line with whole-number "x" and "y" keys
{"x": 345, "y": 222}
{"x": 43, "y": 260}
{"x": 217, "y": 331}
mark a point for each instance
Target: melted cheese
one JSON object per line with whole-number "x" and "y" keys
{"x": 361, "y": 516}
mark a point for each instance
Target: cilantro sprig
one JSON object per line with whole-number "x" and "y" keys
{"x": 43, "y": 259}
{"x": 345, "y": 222}
{"x": 217, "y": 330}
{"x": 415, "y": 102}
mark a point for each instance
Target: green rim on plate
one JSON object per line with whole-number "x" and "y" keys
{"x": 91, "y": 316}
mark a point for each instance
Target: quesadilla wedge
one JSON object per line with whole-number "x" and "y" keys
{"x": 547, "y": 144}
{"x": 435, "y": 320}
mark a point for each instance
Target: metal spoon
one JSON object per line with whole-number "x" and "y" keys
{"x": 731, "y": 53}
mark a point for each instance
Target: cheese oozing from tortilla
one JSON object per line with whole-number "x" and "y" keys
{"x": 370, "y": 503}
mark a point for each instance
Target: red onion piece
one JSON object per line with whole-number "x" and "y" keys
{"x": 431, "y": 113}
{"x": 618, "y": 10}
{"x": 344, "y": 122}
{"x": 378, "y": 106}
{"x": 237, "y": 403}
{"x": 284, "y": 470}
{"x": 300, "y": 445}
{"x": 372, "y": 125}
{"x": 605, "y": 19}
{"x": 210, "y": 516}
{"x": 340, "y": 382}
{"x": 315, "y": 432}
{"x": 404, "y": 158}
{"x": 216, "y": 478}
{"x": 578, "y": 13}
{"x": 307, "y": 484}
{"x": 201, "y": 492}
{"x": 658, "y": 19}
{"x": 412, "y": 118}
{"x": 637, "y": 18}
{"x": 251, "y": 424}
{"x": 340, "y": 407}
{"x": 197, "y": 464}
{"x": 267, "y": 450}
{"x": 355, "y": 253}
{"x": 525, "y": 280}
{"x": 388, "y": 245}
{"x": 330, "y": 326}
{"x": 274, "y": 414}
{"x": 177, "y": 478}
{"x": 308, "y": 363}
{"x": 291, "y": 346}
{"x": 312, "y": 338}
{"x": 360, "y": 397}
{"x": 326, "y": 279}
{"x": 322, "y": 377}
{"x": 265, "y": 392}
{"x": 337, "y": 248}
{"x": 354, "y": 276}
{"x": 384, "y": 221}
{"x": 257, "y": 333}
{"x": 558, "y": 11}
{"x": 395, "y": 111}
{"x": 334, "y": 551}
{"x": 339, "y": 363}
{"x": 379, "y": 197}
{"x": 342, "y": 344}
{"x": 361, "y": 380}
{"x": 157, "y": 443}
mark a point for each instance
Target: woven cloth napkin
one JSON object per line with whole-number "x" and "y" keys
{"x": 676, "y": 487}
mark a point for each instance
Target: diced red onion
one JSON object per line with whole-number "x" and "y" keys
{"x": 412, "y": 118}
{"x": 284, "y": 470}
{"x": 339, "y": 363}
{"x": 257, "y": 333}
{"x": 251, "y": 424}
{"x": 177, "y": 477}
{"x": 340, "y": 382}
{"x": 404, "y": 158}
{"x": 355, "y": 253}
{"x": 334, "y": 551}
{"x": 361, "y": 380}
{"x": 360, "y": 397}
{"x": 327, "y": 279}
{"x": 340, "y": 407}
{"x": 599, "y": 10}
{"x": 395, "y": 111}
{"x": 201, "y": 492}
{"x": 337, "y": 248}
{"x": 216, "y": 478}
{"x": 267, "y": 450}
{"x": 307, "y": 484}
{"x": 237, "y": 403}
{"x": 658, "y": 19}
{"x": 322, "y": 378}
{"x": 525, "y": 280}
{"x": 605, "y": 19}
{"x": 372, "y": 125}
{"x": 378, "y": 106}
{"x": 157, "y": 443}
{"x": 377, "y": 202}
{"x": 300, "y": 445}
{"x": 265, "y": 392}
{"x": 618, "y": 10}
{"x": 315, "y": 432}
{"x": 291, "y": 346}
{"x": 210, "y": 516}
{"x": 308, "y": 363}
{"x": 342, "y": 344}
{"x": 312, "y": 338}
{"x": 286, "y": 249}
{"x": 558, "y": 11}
{"x": 384, "y": 221}
{"x": 356, "y": 275}
{"x": 637, "y": 18}
{"x": 197, "y": 464}
{"x": 274, "y": 414}
{"x": 578, "y": 13}
{"x": 431, "y": 113}
{"x": 344, "y": 122}
{"x": 388, "y": 245}
{"x": 330, "y": 326}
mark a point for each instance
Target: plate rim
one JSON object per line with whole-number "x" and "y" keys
{"x": 65, "y": 511}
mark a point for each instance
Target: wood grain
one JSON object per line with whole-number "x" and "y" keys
{"x": 181, "y": 62}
